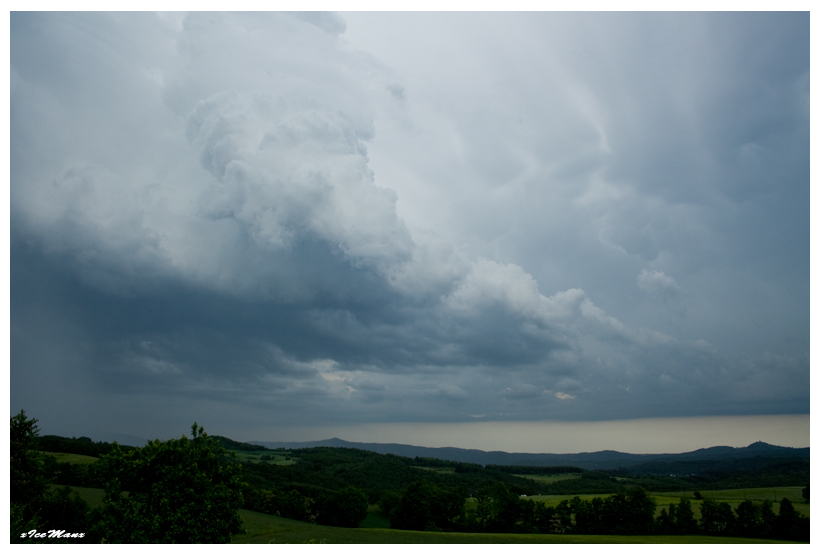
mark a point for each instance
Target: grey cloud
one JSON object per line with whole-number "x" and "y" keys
{"x": 214, "y": 217}
{"x": 327, "y": 21}
{"x": 396, "y": 91}
{"x": 657, "y": 283}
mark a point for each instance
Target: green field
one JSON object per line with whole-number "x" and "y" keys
{"x": 375, "y": 518}
{"x": 261, "y": 528}
{"x": 440, "y": 470}
{"x": 73, "y": 458}
{"x": 278, "y": 458}
{"x": 794, "y": 493}
{"x": 732, "y": 497}
{"x": 549, "y": 478}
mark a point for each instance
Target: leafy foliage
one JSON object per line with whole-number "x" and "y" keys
{"x": 180, "y": 491}
{"x": 26, "y": 464}
{"x": 35, "y": 507}
{"x": 425, "y": 506}
{"x": 346, "y": 507}
{"x": 524, "y": 469}
{"x": 82, "y": 446}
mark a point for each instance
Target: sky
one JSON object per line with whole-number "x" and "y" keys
{"x": 413, "y": 226}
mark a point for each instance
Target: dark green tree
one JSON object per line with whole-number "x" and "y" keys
{"x": 28, "y": 482}
{"x": 630, "y": 512}
{"x": 498, "y": 509}
{"x": 791, "y": 525}
{"x": 36, "y": 509}
{"x": 717, "y": 518}
{"x": 425, "y": 506}
{"x": 748, "y": 519}
{"x": 665, "y": 524}
{"x": 388, "y": 500}
{"x": 542, "y": 517}
{"x": 767, "y": 519}
{"x": 588, "y": 515}
{"x": 346, "y": 507}
{"x": 180, "y": 491}
{"x": 685, "y": 522}
{"x": 561, "y": 522}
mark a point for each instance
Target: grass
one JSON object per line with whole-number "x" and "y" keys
{"x": 73, "y": 458}
{"x": 793, "y": 493}
{"x": 261, "y": 528}
{"x": 549, "y": 478}
{"x": 375, "y": 518}
{"x": 440, "y": 470}
{"x": 554, "y": 500}
{"x": 276, "y": 459}
{"x": 732, "y": 497}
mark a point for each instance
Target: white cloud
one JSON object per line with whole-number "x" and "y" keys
{"x": 657, "y": 283}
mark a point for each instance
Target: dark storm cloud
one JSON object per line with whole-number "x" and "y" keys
{"x": 196, "y": 221}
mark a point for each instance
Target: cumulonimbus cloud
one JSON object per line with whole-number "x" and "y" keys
{"x": 232, "y": 193}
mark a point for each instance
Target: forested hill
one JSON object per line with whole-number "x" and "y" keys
{"x": 599, "y": 460}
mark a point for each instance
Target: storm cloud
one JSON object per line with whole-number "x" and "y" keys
{"x": 289, "y": 219}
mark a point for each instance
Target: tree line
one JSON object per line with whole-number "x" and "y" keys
{"x": 425, "y": 506}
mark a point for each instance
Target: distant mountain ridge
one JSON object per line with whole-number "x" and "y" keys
{"x": 599, "y": 460}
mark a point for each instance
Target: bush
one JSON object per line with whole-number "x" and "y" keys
{"x": 346, "y": 507}
{"x": 180, "y": 491}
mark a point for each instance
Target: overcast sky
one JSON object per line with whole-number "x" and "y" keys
{"x": 274, "y": 222}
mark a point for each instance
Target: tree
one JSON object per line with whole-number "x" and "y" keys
{"x": 717, "y": 518}
{"x": 767, "y": 519}
{"x": 425, "y": 506}
{"x": 180, "y": 491}
{"x": 498, "y": 509}
{"x": 791, "y": 525}
{"x": 389, "y": 499}
{"x": 33, "y": 506}
{"x": 589, "y": 515}
{"x": 748, "y": 519}
{"x": 346, "y": 507}
{"x": 665, "y": 523}
{"x": 630, "y": 512}
{"x": 27, "y": 478}
{"x": 27, "y": 483}
{"x": 685, "y": 522}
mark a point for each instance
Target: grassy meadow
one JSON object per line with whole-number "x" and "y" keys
{"x": 277, "y": 458}
{"x": 73, "y": 458}
{"x": 549, "y": 478}
{"x": 439, "y": 470}
{"x": 261, "y": 528}
{"x": 732, "y": 497}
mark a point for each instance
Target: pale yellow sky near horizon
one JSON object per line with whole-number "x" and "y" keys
{"x": 660, "y": 435}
